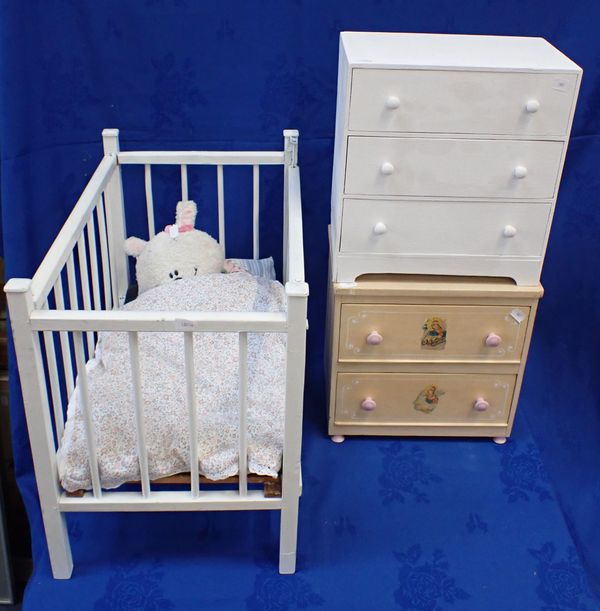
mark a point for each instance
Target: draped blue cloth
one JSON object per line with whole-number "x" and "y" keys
{"x": 385, "y": 523}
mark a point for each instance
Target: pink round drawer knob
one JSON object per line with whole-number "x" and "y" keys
{"x": 492, "y": 340}
{"x": 480, "y": 404}
{"x": 368, "y": 404}
{"x": 374, "y": 338}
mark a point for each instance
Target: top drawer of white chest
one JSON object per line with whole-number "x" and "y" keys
{"x": 461, "y": 102}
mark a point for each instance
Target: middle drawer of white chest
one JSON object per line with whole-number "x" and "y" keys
{"x": 452, "y": 167}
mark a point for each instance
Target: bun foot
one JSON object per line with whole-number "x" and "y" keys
{"x": 500, "y": 440}
{"x": 337, "y": 438}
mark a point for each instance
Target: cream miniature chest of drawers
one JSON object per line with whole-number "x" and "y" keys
{"x": 448, "y": 153}
{"x": 427, "y": 355}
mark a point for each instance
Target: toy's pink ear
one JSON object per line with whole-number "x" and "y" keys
{"x": 134, "y": 246}
{"x": 185, "y": 214}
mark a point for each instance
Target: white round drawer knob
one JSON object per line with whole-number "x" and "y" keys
{"x": 480, "y": 404}
{"x": 532, "y": 106}
{"x": 509, "y": 231}
{"x": 392, "y": 102}
{"x": 374, "y": 338}
{"x": 387, "y": 168}
{"x": 379, "y": 228}
{"x": 520, "y": 171}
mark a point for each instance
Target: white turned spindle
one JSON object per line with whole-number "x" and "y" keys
{"x": 65, "y": 346}
{"x": 188, "y": 345}
{"x": 149, "y": 200}
{"x": 255, "y": 211}
{"x": 85, "y": 287}
{"x": 140, "y": 429}
{"x": 221, "y": 206}
{"x": 84, "y": 402}
{"x": 71, "y": 283}
{"x": 93, "y": 252}
{"x": 243, "y": 371}
{"x": 104, "y": 256}
{"x": 59, "y": 420}
{"x": 184, "y": 183}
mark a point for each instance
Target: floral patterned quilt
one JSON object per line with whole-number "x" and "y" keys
{"x": 216, "y": 362}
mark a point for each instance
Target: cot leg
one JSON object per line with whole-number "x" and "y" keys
{"x": 59, "y": 547}
{"x": 37, "y": 412}
{"x": 288, "y": 538}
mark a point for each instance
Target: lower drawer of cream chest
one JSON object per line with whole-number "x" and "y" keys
{"x": 423, "y": 398}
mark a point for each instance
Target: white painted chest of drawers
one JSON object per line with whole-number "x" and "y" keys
{"x": 448, "y": 153}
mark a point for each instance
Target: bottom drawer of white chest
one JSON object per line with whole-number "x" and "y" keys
{"x": 500, "y": 229}
{"x": 423, "y": 399}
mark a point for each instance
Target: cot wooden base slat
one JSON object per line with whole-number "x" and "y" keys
{"x": 271, "y": 485}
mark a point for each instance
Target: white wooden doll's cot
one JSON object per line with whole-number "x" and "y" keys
{"x": 55, "y": 331}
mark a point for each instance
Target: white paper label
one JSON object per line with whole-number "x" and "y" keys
{"x": 518, "y": 315}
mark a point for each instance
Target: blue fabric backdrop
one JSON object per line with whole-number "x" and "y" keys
{"x": 421, "y": 524}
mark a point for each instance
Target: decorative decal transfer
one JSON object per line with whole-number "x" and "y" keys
{"x": 434, "y": 333}
{"x": 428, "y": 399}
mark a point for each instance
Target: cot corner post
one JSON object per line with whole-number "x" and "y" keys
{"x": 297, "y": 296}
{"x": 115, "y": 220}
{"x": 37, "y": 413}
{"x": 290, "y": 154}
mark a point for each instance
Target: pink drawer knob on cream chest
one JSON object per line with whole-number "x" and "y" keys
{"x": 492, "y": 340}
{"x": 374, "y": 338}
{"x": 480, "y": 404}
{"x": 368, "y": 404}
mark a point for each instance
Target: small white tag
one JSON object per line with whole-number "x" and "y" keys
{"x": 518, "y": 315}
{"x": 173, "y": 231}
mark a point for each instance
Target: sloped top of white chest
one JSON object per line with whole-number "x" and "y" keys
{"x": 453, "y": 52}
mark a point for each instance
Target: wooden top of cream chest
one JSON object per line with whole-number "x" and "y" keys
{"x": 454, "y": 52}
{"x": 448, "y": 286}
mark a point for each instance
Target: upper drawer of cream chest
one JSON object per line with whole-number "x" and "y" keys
{"x": 446, "y": 167}
{"x": 461, "y": 102}
{"x": 424, "y": 333}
